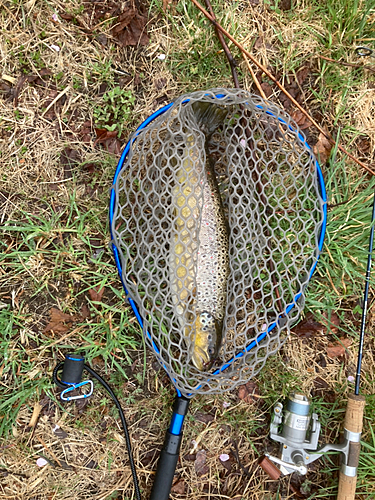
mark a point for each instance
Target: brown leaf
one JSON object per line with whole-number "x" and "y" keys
{"x": 200, "y": 461}
{"x": 60, "y": 433}
{"x": 319, "y": 383}
{"x": 322, "y": 149}
{"x": 302, "y": 121}
{"x": 249, "y": 392}
{"x": 130, "y": 28}
{"x": 68, "y": 159}
{"x": 45, "y": 72}
{"x": 308, "y": 327}
{"x": 96, "y": 293}
{"x": 302, "y": 74}
{"x": 148, "y": 457}
{"x": 85, "y": 312}
{"x": 331, "y": 322}
{"x": 59, "y": 322}
{"x": 67, "y": 17}
{"x": 227, "y": 464}
{"x": 178, "y": 487}
{"x": 285, "y": 4}
{"x": 267, "y": 89}
{"x": 338, "y": 349}
{"x": 206, "y": 418}
{"x": 22, "y": 79}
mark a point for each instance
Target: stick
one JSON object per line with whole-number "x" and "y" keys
{"x": 279, "y": 85}
{"x": 228, "y": 53}
{"x": 351, "y": 65}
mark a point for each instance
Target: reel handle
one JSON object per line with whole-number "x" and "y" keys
{"x": 353, "y": 425}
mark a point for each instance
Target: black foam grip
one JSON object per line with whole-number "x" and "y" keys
{"x": 166, "y": 467}
{"x": 73, "y": 368}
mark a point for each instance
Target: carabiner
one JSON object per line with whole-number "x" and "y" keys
{"x": 75, "y": 386}
{"x": 365, "y": 52}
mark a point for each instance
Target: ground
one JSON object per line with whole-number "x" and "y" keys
{"x": 77, "y": 77}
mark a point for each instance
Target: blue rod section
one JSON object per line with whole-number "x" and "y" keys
{"x": 177, "y": 422}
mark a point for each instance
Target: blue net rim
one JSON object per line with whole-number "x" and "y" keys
{"x": 112, "y": 204}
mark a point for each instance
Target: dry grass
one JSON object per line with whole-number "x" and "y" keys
{"x": 62, "y": 215}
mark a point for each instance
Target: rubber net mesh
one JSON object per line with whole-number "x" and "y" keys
{"x": 269, "y": 224}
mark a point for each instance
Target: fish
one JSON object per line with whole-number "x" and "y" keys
{"x": 199, "y": 250}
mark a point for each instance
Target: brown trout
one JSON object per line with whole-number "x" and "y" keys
{"x": 199, "y": 257}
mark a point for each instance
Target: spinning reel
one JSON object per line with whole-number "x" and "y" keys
{"x": 298, "y": 431}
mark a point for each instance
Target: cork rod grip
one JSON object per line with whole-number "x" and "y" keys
{"x": 353, "y": 423}
{"x": 354, "y": 413}
{"x": 347, "y": 486}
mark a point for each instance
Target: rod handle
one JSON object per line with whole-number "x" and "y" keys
{"x": 166, "y": 467}
{"x": 354, "y": 424}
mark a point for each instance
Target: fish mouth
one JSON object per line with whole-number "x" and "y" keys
{"x": 201, "y": 359}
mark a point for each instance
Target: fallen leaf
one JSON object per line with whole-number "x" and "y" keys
{"x": 69, "y": 158}
{"x": 21, "y": 80}
{"x": 60, "y": 433}
{"x": 91, "y": 464}
{"x": 109, "y": 139}
{"x": 178, "y": 487}
{"x": 338, "y": 349}
{"x": 302, "y": 121}
{"x": 331, "y": 322}
{"x": 59, "y": 322}
{"x": 267, "y": 89}
{"x": 85, "y": 312}
{"x": 308, "y": 327}
{"x": 148, "y": 457}
{"x": 319, "y": 383}
{"x": 206, "y": 418}
{"x": 249, "y": 392}
{"x": 96, "y": 293}
{"x": 200, "y": 461}
{"x": 285, "y": 4}
{"x": 130, "y": 28}
{"x": 302, "y": 74}
{"x": 322, "y": 149}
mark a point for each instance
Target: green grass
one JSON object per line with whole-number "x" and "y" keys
{"x": 49, "y": 244}
{"x": 23, "y": 379}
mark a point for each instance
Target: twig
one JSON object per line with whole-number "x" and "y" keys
{"x": 257, "y": 176}
{"x": 228, "y": 53}
{"x": 351, "y": 65}
{"x": 253, "y": 75}
{"x": 63, "y": 92}
{"x": 279, "y": 85}
{"x": 49, "y": 450}
{"x": 236, "y": 454}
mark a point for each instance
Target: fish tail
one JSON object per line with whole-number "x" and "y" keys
{"x": 209, "y": 116}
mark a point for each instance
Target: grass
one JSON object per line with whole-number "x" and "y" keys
{"x": 55, "y": 244}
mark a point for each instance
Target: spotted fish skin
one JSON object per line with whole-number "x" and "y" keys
{"x": 199, "y": 257}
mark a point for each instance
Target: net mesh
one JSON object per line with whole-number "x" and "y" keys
{"x": 225, "y": 223}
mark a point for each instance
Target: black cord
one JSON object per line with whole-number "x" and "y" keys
{"x": 93, "y": 373}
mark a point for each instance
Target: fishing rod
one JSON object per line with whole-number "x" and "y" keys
{"x": 292, "y": 424}
{"x": 356, "y": 403}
